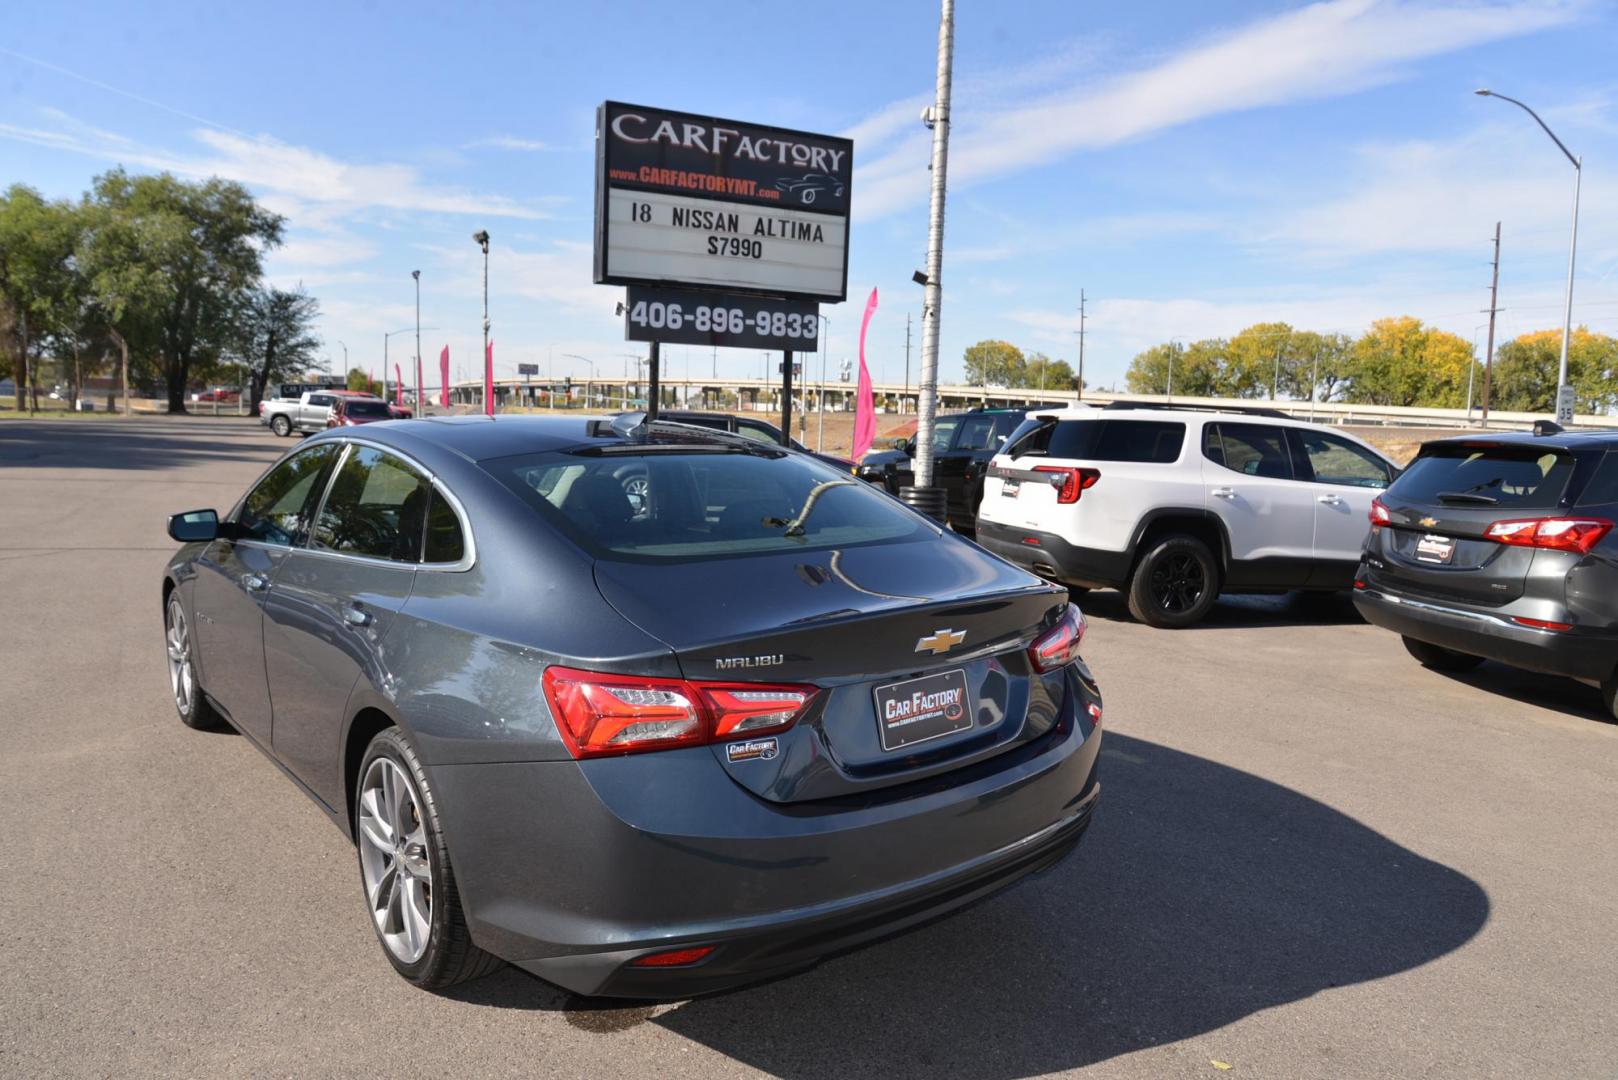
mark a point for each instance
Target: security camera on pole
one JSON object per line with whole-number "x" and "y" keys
{"x": 924, "y": 496}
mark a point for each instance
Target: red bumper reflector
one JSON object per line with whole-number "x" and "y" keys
{"x": 1540, "y": 624}
{"x": 673, "y": 958}
{"x": 1359, "y": 583}
{"x": 1034, "y": 540}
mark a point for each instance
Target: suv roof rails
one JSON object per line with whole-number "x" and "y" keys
{"x": 1243, "y": 410}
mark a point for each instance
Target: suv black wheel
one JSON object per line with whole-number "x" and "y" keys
{"x": 405, "y": 870}
{"x": 1175, "y": 583}
{"x": 281, "y": 425}
{"x": 1439, "y": 658}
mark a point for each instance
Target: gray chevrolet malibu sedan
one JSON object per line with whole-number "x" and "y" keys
{"x": 647, "y": 710}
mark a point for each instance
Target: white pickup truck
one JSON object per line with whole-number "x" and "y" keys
{"x": 308, "y": 413}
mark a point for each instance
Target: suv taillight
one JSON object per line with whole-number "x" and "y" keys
{"x": 1073, "y": 482}
{"x": 1557, "y": 534}
{"x": 601, "y": 715}
{"x": 1379, "y": 512}
{"x": 1059, "y": 646}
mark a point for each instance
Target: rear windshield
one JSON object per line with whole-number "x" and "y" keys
{"x": 686, "y": 504}
{"x": 1520, "y": 477}
{"x": 365, "y": 408}
{"x": 1153, "y": 441}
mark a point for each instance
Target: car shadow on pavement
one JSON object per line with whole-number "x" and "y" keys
{"x": 1284, "y": 609}
{"x": 1533, "y": 688}
{"x": 1203, "y": 894}
{"x": 122, "y": 445}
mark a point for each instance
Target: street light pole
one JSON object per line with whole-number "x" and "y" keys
{"x": 420, "y": 409}
{"x": 481, "y": 238}
{"x": 1564, "y": 411}
{"x": 590, "y": 382}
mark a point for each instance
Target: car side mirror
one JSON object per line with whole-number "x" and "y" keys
{"x": 194, "y": 526}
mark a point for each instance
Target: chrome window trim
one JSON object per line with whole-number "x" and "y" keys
{"x": 468, "y": 555}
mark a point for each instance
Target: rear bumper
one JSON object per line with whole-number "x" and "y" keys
{"x": 1053, "y": 557}
{"x": 1479, "y": 632}
{"x": 572, "y": 870}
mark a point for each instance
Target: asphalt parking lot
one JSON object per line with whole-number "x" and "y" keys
{"x": 1312, "y": 858}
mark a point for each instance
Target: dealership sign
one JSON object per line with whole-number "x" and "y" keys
{"x": 695, "y": 202}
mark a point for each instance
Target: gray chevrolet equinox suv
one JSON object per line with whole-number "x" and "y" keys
{"x": 1502, "y": 548}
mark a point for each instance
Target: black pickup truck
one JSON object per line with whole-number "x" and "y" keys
{"x": 963, "y": 444}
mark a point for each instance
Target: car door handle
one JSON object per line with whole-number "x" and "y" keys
{"x": 254, "y": 583}
{"x": 1224, "y": 493}
{"x": 1330, "y": 500}
{"x": 356, "y": 617}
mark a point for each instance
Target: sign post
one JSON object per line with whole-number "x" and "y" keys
{"x": 726, "y": 233}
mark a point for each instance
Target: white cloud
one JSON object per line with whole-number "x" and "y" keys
{"x": 279, "y": 168}
{"x": 510, "y": 142}
{"x": 1324, "y": 50}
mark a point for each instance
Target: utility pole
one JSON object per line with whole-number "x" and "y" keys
{"x": 418, "y": 410}
{"x": 1494, "y": 306}
{"x": 907, "y": 361}
{"x": 1080, "y": 394}
{"x": 938, "y": 118}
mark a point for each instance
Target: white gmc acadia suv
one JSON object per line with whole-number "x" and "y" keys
{"x": 1175, "y": 505}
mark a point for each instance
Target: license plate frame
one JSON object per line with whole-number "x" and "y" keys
{"x": 905, "y": 716}
{"x": 1432, "y": 548}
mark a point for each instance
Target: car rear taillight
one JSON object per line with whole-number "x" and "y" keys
{"x": 1540, "y": 624}
{"x": 1059, "y": 645}
{"x": 602, "y": 715}
{"x": 1379, "y": 512}
{"x": 673, "y": 958}
{"x": 1557, "y": 534}
{"x": 1069, "y": 482}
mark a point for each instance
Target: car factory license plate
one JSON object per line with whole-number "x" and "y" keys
{"x": 1439, "y": 549}
{"x": 1009, "y": 487}
{"x": 917, "y": 710}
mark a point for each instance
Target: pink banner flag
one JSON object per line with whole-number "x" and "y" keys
{"x": 398, "y": 385}
{"x": 488, "y": 380}
{"x": 864, "y": 406}
{"x": 443, "y": 377}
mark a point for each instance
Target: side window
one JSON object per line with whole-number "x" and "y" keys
{"x": 445, "y": 544}
{"x": 377, "y": 507}
{"x": 1250, "y": 449}
{"x": 758, "y": 433}
{"x": 1335, "y": 460}
{"x": 276, "y": 510}
{"x": 976, "y": 433}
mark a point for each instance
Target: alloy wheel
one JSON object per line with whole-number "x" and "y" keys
{"x": 398, "y": 874}
{"x": 182, "y": 676}
{"x": 1178, "y": 582}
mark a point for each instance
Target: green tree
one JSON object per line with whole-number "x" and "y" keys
{"x": 1401, "y": 361}
{"x": 273, "y": 334}
{"x": 362, "y": 383}
{"x": 1524, "y": 377}
{"x": 1254, "y": 358}
{"x": 1151, "y": 371}
{"x": 177, "y": 258}
{"x": 37, "y": 276}
{"x": 994, "y": 363}
{"x": 1041, "y": 372}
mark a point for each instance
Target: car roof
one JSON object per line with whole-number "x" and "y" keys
{"x": 1555, "y": 440}
{"x": 479, "y": 438}
{"x": 1193, "y": 416}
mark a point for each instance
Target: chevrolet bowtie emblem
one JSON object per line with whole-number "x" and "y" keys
{"x": 1428, "y": 522}
{"x": 941, "y": 641}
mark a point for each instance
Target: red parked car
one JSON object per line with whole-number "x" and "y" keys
{"x": 351, "y": 411}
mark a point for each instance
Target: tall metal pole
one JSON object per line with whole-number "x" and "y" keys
{"x": 420, "y": 410}
{"x": 786, "y": 398}
{"x": 1562, "y": 415}
{"x": 820, "y": 439}
{"x": 1494, "y": 306}
{"x": 938, "y": 115}
{"x": 653, "y": 387}
{"x": 907, "y": 361}
{"x": 1080, "y": 394}
{"x": 1567, "y": 318}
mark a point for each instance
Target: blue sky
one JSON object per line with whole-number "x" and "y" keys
{"x": 1193, "y": 166}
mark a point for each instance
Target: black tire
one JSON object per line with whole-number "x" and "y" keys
{"x": 184, "y": 687}
{"x": 1609, "y": 696}
{"x": 281, "y": 425}
{"x": 1439, "y": 658}
{"x": 450, "y": 957}
{"x": 1175, "y": 583}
